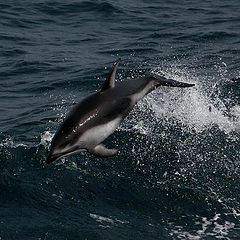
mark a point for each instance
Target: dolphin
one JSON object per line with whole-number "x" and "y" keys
{"x": 97, "y": 116}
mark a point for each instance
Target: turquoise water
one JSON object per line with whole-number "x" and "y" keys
{"x": 177, "y": 172}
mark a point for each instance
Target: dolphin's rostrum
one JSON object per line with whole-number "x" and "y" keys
{"x": 96, "y": 117}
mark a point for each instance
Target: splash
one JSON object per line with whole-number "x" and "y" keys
{"x": 214, "y": 227}
{"x": 198, "y": 108}
{"x": 46, "y": 138}
{"x": 190, "y": 139}
{"x": 10, "y": 142}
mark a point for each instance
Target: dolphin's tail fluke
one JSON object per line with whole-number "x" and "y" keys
{"x": 162, "y": 81}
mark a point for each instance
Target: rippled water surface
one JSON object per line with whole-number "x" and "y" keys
{"x": 176, "y": 175}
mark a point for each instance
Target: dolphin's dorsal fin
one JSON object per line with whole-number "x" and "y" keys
{"x": 110, "y": 80}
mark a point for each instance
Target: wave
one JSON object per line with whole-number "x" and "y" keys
{"x": 54, "y": 9}
{"x": 178, "y": 152}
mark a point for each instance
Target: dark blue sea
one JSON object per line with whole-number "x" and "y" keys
{"x": 177, "y": 172}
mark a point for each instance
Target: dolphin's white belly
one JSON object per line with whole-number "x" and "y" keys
{"x": 97, "y": 134}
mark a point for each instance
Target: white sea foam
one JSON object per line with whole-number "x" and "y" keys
{"x": 214, "y": 227}
{"x": 46, "y": 138}
{"x": 106, "y": 221}
{"x": 9, "y": 142}
{"x": 101, "y": 219}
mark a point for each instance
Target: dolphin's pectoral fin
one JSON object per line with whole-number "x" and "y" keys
{"x": 101, "y": 151}
{"x": 110, "y": 80}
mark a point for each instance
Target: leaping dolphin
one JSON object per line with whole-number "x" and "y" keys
{"x": 97, "y": 116}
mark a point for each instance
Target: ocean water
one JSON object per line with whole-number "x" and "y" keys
{"x": 176, "y": 175}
